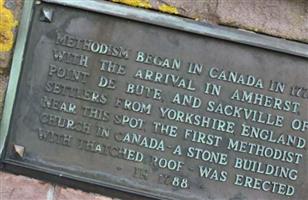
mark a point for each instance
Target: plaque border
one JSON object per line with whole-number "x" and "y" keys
{"x": 136, "y": 14}
{"x": 188, "y": 25}
{"x": 17, "y": 60}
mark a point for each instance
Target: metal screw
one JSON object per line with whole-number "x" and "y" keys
{"x": 19, "y": 150}
{"x": 46, "y": 15}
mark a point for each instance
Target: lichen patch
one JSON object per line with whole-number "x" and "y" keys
{"x": 168, "y": 9}
{"x": 7, "y": 24}
{"x": 135, "y": 3}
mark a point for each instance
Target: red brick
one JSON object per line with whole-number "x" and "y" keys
{"x": 71, "y": 194}
{"x": 14, "y": 187}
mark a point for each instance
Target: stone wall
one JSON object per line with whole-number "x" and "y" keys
{"x": 281, "y": 18}
{"x": 14, "y": 187}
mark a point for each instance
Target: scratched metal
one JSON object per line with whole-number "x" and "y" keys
{"x": 108, "y": 171}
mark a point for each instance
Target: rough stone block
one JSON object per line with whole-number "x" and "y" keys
{"x": 3, "y": 86}
{"x": 281, "y": 18}
{"x": 10, "y": 11}
{"x": 14, "y": 187}
{"x": 62, "y": 193}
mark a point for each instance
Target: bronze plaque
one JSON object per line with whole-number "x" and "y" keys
{"x": 157, "y": 111}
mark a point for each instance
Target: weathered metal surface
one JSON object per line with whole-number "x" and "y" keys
{"x": 158, "y": 111}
